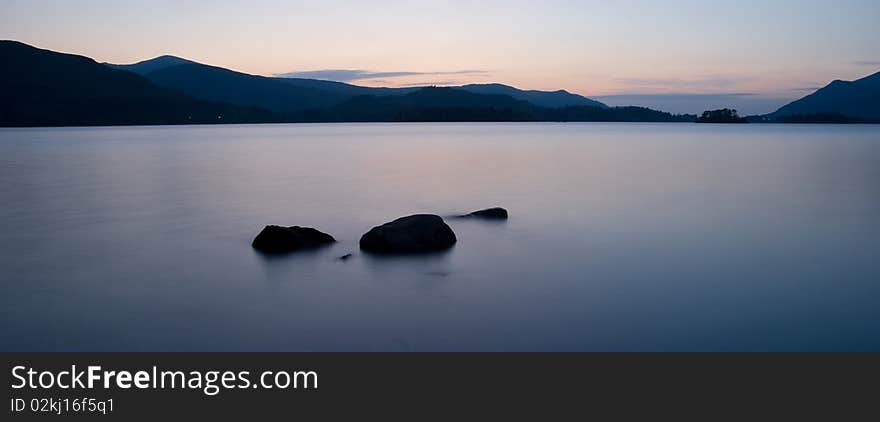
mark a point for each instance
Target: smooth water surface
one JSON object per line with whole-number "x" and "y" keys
{"x": 621, "y": 237}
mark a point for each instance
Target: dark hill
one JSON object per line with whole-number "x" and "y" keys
{"x": 455, "y": 104}
{"x": 343, "y": 89}
{"x": 427, "y": 104}
{"x": 855, "y": 100}
{"x": 550, "y": 99}
{"x": 44, "y": 88}
{"x": 298, "y": 94}
{"x": 219, "y": 84}
{"x": 152, "y": 65}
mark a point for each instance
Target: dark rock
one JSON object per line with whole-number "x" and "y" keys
{"x": 344, "y": 257}
{"x": 277, "y": 239}
{"x": 412, "y": 234}
{"x": 489, "y": 214}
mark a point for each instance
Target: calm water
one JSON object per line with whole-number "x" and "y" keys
{"x": 621, "y": 237}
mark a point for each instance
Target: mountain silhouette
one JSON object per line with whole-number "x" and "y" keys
{"x": 550, "y": 99}
{"x": 448, "y": 104}
{"x": 44, "y": 88}
{"x": 848, "y": 100}
{"x": 428, "y": 104}
{"x": 345, "y": 90}
{"x": 152, "y": 65}
{"x": 220, "y": 84}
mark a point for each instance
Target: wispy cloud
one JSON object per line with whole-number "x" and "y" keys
{"x": 807, "y": 88}
{"x": 735, "y": 95}
{"x": 867, "y": 63}
{"x": 710, "y": 81}
{"x": 347, "y": 75}
{"x": 433, "y": 83}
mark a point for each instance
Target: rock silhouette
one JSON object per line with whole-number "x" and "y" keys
{"x": 496, "y": 213}
{"x": 277, "y": 239}
{"x": 407, "y": 235}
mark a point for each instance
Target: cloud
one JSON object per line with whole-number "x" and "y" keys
{"x": 698, "y": 82}
{"x": 433, "y": 83}
{"x": 347, "y": 75}
{"x": 867, "y": 63}
{"x": 681, "y": 97}
{"x": 807, "y": 88}
{"x": 343, "y": 75}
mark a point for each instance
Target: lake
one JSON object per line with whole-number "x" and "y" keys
{"x": 621, "y": 237}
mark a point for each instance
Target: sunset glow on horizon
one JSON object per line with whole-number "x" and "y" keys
{"x": 748, "y": 50}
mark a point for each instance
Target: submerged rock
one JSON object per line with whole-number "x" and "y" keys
{"x": 412, "y": 234}
{"x": 277, "y": 239}
{"x": 496, "y": 213}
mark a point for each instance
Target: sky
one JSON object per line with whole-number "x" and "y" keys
{"x": 680, "y": 56}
